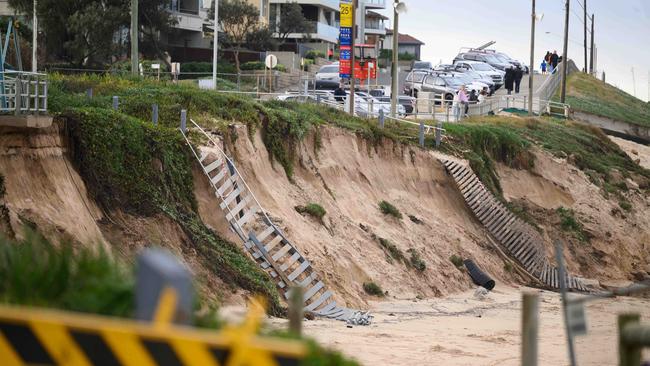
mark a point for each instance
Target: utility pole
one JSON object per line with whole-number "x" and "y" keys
{"x": 532, "y": 60}
{"x": 35, "y": 40}
{"x": 135, "y": 63}
{"x": 565, "y": 60}
{"x": 394, "y": 73}
{"x": 585, "y": 26}
{"x": 215, "y": 47}
{"x": 591, "y": 63}
{"x": 352, "y": 57}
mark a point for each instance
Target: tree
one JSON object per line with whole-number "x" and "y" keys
{"x": 292, "y": 20}
{"x": 86, "y": 31}
{"x": 261, "y": 40}
{"x": 238, "y": 20}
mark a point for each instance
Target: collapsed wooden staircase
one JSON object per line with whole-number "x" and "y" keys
{"x": 519, "y": 238}
{"x": 263, "y": 240}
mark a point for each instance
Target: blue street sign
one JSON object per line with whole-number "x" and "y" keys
{"x": 345, "y": 36}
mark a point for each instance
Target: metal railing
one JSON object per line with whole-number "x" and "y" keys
{"x": 23, "y": 92}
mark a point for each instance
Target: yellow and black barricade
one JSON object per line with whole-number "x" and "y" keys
{"x": 49, "y": 337}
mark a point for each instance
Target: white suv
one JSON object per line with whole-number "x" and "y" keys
{"x": 483, "y": 69}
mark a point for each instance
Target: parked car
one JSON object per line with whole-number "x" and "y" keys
{"x": 504, "y": 57}
{"x": 468, "y": 81}
{"x": 474, "y": 76}
{"x": 486, "y": 57}
{"x": 444, "y": 67}
{"x": 366, "y": 104}
{"x": 328, "y": 73}
{"x": 483, "y": 69}
{"x": 404, "y": 100}
{"x": 422, "y": 65}
{"x": 413, "y": 82}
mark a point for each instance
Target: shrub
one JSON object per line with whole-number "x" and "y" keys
{"x": 388, "y": 209}
{"x": 508, "y": 267}
{"x": 416, "y": 261}
{"x": 625, "y": 205}
{"x": 313, "y": 209}
{"x": 314, "y": 54}
{"x": 253, "y": 65}
{"x": 568, "y": 222}
{"x": 373, "y": 289}
{"x": 393, "y": 250}
{"x": 456, "y": 260}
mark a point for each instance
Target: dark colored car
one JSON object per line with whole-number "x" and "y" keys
{"x": 407, "y": 102}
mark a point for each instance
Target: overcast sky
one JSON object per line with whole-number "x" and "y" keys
{"x": 622, "y": 32}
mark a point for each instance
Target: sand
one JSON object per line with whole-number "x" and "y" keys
{"x": 463, "y": 330}
{"x": 636, "y": 151}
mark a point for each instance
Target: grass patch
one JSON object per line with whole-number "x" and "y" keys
{"x": 416, "y": 261}
{"x": 569, "y": 223}
{"x": 587, "y": 94}
{"x": 373, "y": 289}
{"x": 388, "y": 209}
{"x": 456, "y": 260}
{"x": 393, "y": 251}
{"x": 312, "y": 209}
{"x": 625, "y": 205}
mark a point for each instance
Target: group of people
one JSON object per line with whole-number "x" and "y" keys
{"x": 462, "y": 101}
{"x": 550, "y": 62}
{"x": 512, "y": 79}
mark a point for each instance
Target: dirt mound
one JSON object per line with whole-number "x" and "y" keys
{"x": 356, "y": 243}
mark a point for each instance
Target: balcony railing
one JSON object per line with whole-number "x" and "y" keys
{"x": 376, "y": 4}
{"x": 23, "y": 93}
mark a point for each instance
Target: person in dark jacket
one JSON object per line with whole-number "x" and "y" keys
{"x": 339, "y": 94}
{"x": 555, "y": 59}
{"x": 519, "y": 74}
{"x": 473, "y": 97}
{"x": 509, "y": 79}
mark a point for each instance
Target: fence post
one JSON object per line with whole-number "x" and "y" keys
{"x": 154, "y": 114}
{"x": 627, "y": 355}
{"x": 317, "y": 98}
{"x": 306, "y": 87}
{"x": 438, "y": 133}
{"x": 89, "y": 93}
{"x": 238, "y": 81}
{"x": 529, "y": 329}
{"x": 422, "y": 133}
{"x": 116, "y": 102}
{"x": 446, "y": 105}
{"x": 18, "y": 103}
{"x": 296, "y": 312}
{"x": 183, "y": 120}
{"x": 381, "y": 118}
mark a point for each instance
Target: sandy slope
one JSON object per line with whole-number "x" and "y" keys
{"x": 637, "y": 152}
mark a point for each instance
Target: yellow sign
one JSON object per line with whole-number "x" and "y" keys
{"x": 346, "y": 15}
{"x": 49, "y": 337}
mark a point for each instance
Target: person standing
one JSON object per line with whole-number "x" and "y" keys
{"x": 519, "y": 74}
{"x": 543, "y": 67}
{"x": 482, "y": 95}
{"x": 340, "y": 94}
{"x": 463, "y": 99}
{"x": 509, "y": 79}
{"x": 555, "y": 59}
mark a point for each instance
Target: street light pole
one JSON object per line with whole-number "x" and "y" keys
{"x": 35, "y": 39}
{"x": 352, "y": 56}
{"x": 215, "y": 47}
{"x": 134, "y": 38}
{"x": 532, "y": 61}
{"x": 585, "y": 26}
{"x": 565, "y": 60}
{"x": 394, "y": 74}
{"x": 591, "y": 63}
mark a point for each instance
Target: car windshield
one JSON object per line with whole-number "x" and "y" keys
{"x": 493, "y": 59}
{"x": 465, "y": 78}
{"x": 329, "y": 70}
{"x": 502, "y": 58}
{"x": 416, "y": 76}
{"x": 482, "y": 67}
{"x": 453, "y": 81}
{"x": 422, "y": 65}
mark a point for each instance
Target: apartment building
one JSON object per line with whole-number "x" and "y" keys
{"x": 406, "y": 43}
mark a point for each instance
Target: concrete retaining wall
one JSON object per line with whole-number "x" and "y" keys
{"x": 612, "y": 125}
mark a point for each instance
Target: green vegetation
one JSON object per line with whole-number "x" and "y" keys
{"x": 587, "y": 94}
{"x": 373, "y": 289}
{"x": 314, "y": 54}
{"x": 456, "y": 260}
{"x": 313, "y": 209}
{"x": 34, "y": 272}
{"x": 508, "y": 267}
{"x": 388, "y": 209}
{"x": 416, "y": 261}
{"x": 625, "y": 205}
{"x": 393, "y": 251}
{"x": 569, "y": 223}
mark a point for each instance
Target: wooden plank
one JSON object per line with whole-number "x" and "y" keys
{"x": 511, "y": 238}
{"x": 290, "y": 261}
{"x": 247, "y": 216}
{"x": 212, "y": 166}
{"x": 284, "y": 250}
{"x": 455, "y": 168}
{"x": 468, "y": 183}
{"x": 485, "y": 212}
{"x": 203, "y": 156}
{"x": 327, "y": 308}
{"x": 319, "y": 301}
{"x": 499, "y": 218}
{"x": 312, "y": 291}
{"x": 217, "y": 178}
{"x": 264, "y": 234}
{"x": 479, "y": 196}
{"x": 466, "y": 179}
{"x": 240, "y": 206}
{"x": 523, "y": 247}
{"x": 461, "y": 173}
{"x": 303, "y": 266}
{"x": 227, "y": 184}
{"x": 500, "y": 230}
{"x": 335, "y": 314}
{"x": 271, "y": 244}
{"x": 268, "y": 259}
{"x": 305, "y": 282}
{"x": 231, "y": 197}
